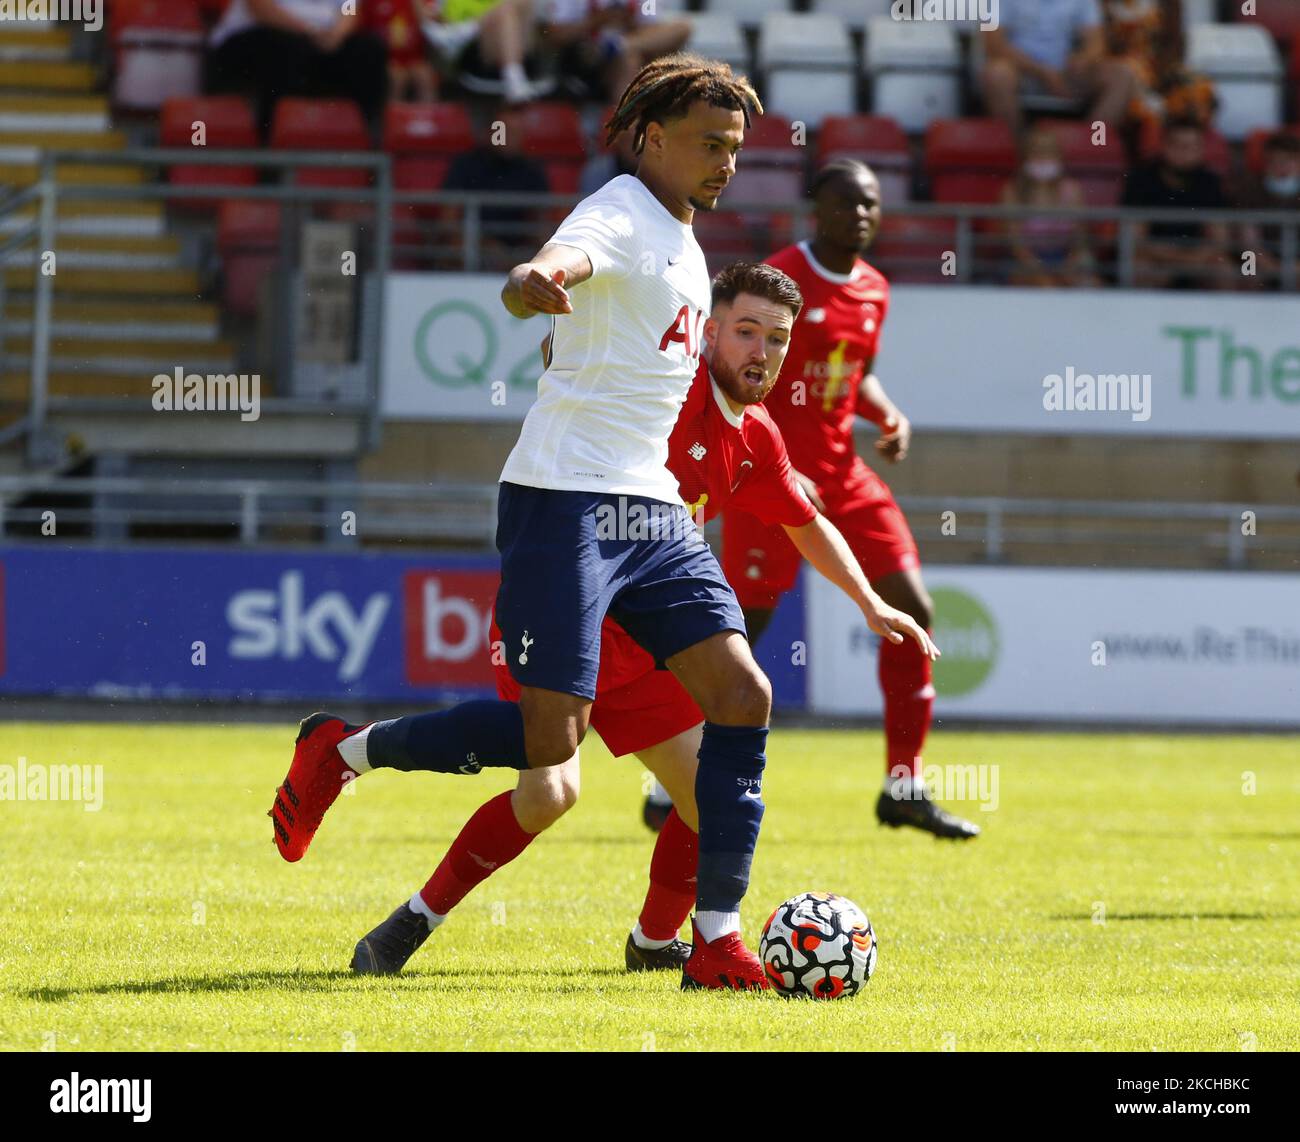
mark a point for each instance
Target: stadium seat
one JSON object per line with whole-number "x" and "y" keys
{"x": 911, "y": 250}
{"x": 719, "y": 37}
{"x": 808, "y": 63}
{"x": 157, "y": 51}
{"x": 228, "y": 124}
{"x": 321, "y": 125}
{"x": 914, "y": 70}
{"x": 248, "y": 242}
{"x": 423, "y": 138}
{"x": 969, "y": 160}
{"x": 553, "y": 134}
{"x": 749, "y": 12}
{"x": 853, "y": 13}
{"x": 725, "y": 237}
{"x": 771, "y": 168}
{"x": 1244, "y": 63}
{"x": 1199, "y": 12}
{"x": 427, "y": 129}
{"x": 1255, "y": 147}
{"x": 1281, "y": 18}
{"x": 876, "y": 140}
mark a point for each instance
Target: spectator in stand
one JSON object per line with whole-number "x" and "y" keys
{"x": 1056, "y": 47}
{"x": 501, "y": 165}
{"x": 1278, "y": 188}
{"x": 474, "y": 35}
{"x": 273, "y": 48}
{"x": 619, "y": 159}
{"x": 1150, "y": 36}
{"x": 1047, "y": 251}
{"x": 398, "y": 24}
{"x": 1180, "y": 255}
{"x": 602, "y": 44}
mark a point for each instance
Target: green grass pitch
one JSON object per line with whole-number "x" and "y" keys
{"x": 165, "y": 921}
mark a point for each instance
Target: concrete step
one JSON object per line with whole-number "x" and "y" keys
{"x": 193, "y": 355}
{"x": 48, "y": 75}
{"x": 25, "y": 173}
{"x": 51, "y": 43}
{"x": 192, "y": 321}
{"x": 53, "y": 113}
{"x": 86, "y": 385}
{"x": 177, "y": 284}
{"x": 95, "y": 251}
{"x": 25, "y": 146}
{"x": 109, "y": 218}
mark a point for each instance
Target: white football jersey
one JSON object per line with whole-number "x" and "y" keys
{"x": 623, "y": 360}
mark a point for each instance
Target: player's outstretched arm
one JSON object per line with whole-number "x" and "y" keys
{"x": 895, "y": 429}
{"x": 541, "y": 286}
{"x": 821, "y": 543}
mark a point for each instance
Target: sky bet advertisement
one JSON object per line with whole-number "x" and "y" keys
{"x": 265, "y": 625}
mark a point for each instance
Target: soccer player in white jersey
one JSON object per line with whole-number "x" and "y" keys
{"x": 590, "y": 522}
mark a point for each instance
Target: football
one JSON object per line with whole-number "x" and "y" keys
{"x": 819, "y": 945}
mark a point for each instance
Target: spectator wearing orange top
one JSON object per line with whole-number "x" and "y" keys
{"x": 1149, "y": 35}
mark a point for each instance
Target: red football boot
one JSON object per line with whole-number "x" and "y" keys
{"x": 316, "y": 777}
{"x": 725, "y": 963}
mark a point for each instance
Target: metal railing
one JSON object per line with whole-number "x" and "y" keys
{"x": 43, "y": 233}
{"x": 117, "y": 509}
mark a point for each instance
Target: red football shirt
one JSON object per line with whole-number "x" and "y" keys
{"x": 833, "y": 343}
{"x": 724, "y": 460}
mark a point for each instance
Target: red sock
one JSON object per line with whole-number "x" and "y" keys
{"x": 905, "y": 680}
{"x": 672, "y": 880}
{"x": 491, "y": 838}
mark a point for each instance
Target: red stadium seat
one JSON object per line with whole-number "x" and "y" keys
{"x": 1097, "y": 167}
{"x": 878, "y": 141}
{"x": 553, "y": 131}
{"x": 1255, "y": 146}
{"x": 1281, "y": 18}
{"x": 157, "y": 49}
{"x": 321, "y": 125}
{"x": 969, "y": 160}
{"x": 248, "y": 241}
{"x": 228, "y": 124}
{"x": 725, "y": 237}
{"x": 427, "y": 129}
{"x": 911, "y": 249}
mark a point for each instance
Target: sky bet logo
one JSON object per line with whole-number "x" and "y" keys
{"x": 284, "y": 624}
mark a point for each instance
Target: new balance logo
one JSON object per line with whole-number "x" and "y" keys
{"x": 696, "y": 451}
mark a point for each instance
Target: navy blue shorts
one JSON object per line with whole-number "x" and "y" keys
{"x": 569, "y": 558}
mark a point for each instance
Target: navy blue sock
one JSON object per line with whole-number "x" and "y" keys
{"x": 463, "y": 739}
{"x": 728, "y": 792}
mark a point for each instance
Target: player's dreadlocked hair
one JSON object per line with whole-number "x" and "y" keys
{"x": 854, "y": 168}
{"x": 665, "y": 88}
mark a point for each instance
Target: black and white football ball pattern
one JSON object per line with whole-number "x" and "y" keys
{"x": 819, "y": 945}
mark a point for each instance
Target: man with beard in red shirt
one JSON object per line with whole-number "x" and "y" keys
{"x": 826, "y": 382}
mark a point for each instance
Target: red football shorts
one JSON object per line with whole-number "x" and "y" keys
{"x": 761, "y": 563}
{"x": 636, "y": 705}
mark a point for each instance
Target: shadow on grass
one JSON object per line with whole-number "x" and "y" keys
{"x": 462, "y": 979}
{"x": 1179, "y": 916}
